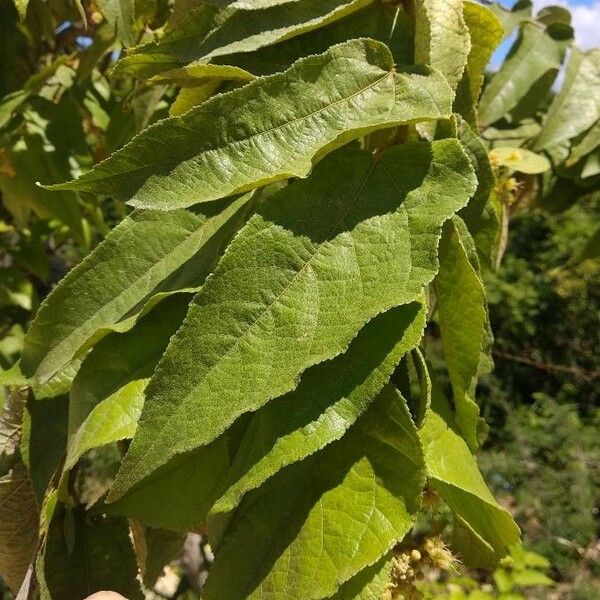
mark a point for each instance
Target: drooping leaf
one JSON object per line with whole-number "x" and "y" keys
{"x": 84, "y": 554}
{"x": 209, "y": 31}
{"x": 512, "y": 18}
{"x": 319, "y": 522}
{"x": 329, "y": 398}
{"x": 462, "y": 319}
{"x": 218, "y": 148}
{"x": 454, "y": 474}
{"x": 577, "y": 106}
{"x": 535, "y": 57}
{"x": 442, "y": 37}
{"x": 355, "y": 239}
{"x": 108, "y": 391}
{"x": 386, "y": 23}
{"x": 519, "y": 159}
{"x": 147, "y": 253}
{"x": 18, "y": 525}
{"x": 485, "y": 32}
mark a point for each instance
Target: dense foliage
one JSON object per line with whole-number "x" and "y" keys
{"x": 279, "y": 346}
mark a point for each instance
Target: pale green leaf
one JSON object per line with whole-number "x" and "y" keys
{"x": 189, "y": 97}
{"x": 197, "y": 73}
{"x": 319, "y": 522}
{"x": 462, "y": 318}
{"x": 442, "y": 37}
{"x": 18, "y": 525}
{"x": 577, "y": 106}
{"x": 147, "y": 253}
{"x": 534, "y": 57}
{"x": 519, "y": 159}
{"x": 209, "y": 31}
{"x": 231, "y": 143}
{"x": 454, "y": 474}
{"x": 485, "y": 31}
{"x": 322, "y": 257}
{"x": 511, "y": 18}
{"x": 329, "y": 398}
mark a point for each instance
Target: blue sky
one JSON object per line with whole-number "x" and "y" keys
{"x": 585, "y": 21}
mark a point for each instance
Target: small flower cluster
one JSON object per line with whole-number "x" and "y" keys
{"x": 409, "y": 565}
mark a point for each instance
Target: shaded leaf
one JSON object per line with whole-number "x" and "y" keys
{"x": 84, "y": 554}
{"x": 321, "y": 102}
{"x": 355, "y": 239}
{"x": 319, "y": 522}
{"x": 328, "y": 399}
{"x": 120, "y": 14}
{"x": 209, "y": 31}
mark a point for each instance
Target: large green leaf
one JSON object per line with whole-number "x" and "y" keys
{"x": 209, "y": 31}
{"x": 147, "y": 253}
{"x": 463, "y": 322}
{"x": 535, "y": 57}
{"x": 120, "y": 14}
{"x": 577, "y": 106}
{"x": 322, "y": 257}
{"x": 369, "y": 584}
{"x": 329, "y": 398}
{"x": 319, "y": 522}
{"x": 454, "y": 474}
{"x": 231, "y": 143}
{"x": 442, "y": 37}
{"x": 108, "y": 391}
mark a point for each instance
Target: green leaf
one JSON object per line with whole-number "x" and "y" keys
{"x": 328, "y": 400}
{"x": 127, "y": 268}
{"x": 462, "y": 319}
{"x": 512, "y": 18}
{"x": 18, "y": 525}
{"x": 108, "y": 391}
{"x": 442, "y": 37}
{"x": 198, "y": 73}
{"x": 209, "y": 31}
{"x": 383, "y": 22}
{"x": 588, "y": 143}
{"x": 46, "y": 439}
{"x": 321, "y": 102}
{"x": 84, "y": 554}
{"x": 577, "y": 106}
{"x": 485, "y": 31}
{"x": 454, "y": 474}
{"x": 519, "y": 159}
{"x": 369, "y": 584}
{"x": 319, "y": 522}
{"x": 356, "y": 238}
{"x": 536, "y": 56}
{"x": 120, "y": 14}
